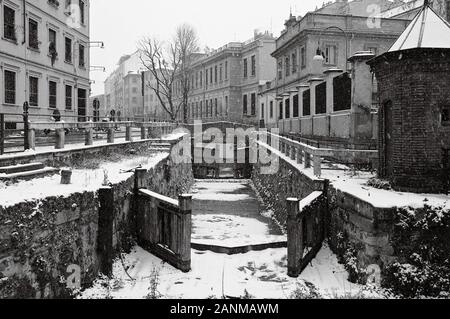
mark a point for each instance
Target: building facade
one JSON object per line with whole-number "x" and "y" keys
{"x": 225, "y": 82}
{"x": 310, "y": 50}
{"x": 44, "y": 57}
{"x": 409, "y": 9}
{"x": 125, "y": 93}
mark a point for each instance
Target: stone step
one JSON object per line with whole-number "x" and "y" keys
{"x": 28, "y": 175}
{"x": 21, "y": 168}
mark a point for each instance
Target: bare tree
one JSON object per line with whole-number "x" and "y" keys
{"x": 170, "y": 67}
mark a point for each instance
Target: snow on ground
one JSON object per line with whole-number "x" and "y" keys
{"x": 355, "y": 183}
{"x": 217, "y": 190}
{"x": 262, "y": 274}
{"x": 82, "y": 180}
{"x": 227, "y": 213}
{"x": 231, "y": 231}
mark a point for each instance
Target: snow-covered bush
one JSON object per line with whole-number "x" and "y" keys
{"x": 421, "y": 241}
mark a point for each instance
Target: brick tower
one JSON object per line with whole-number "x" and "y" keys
{"x": 414, "y": 116}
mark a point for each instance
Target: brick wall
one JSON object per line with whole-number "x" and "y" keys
{"x": 418, "y": 86}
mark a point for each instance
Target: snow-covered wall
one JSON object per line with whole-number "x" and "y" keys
{"x": 41, "y": 240}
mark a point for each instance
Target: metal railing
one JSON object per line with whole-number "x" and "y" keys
{"x": 22, "y": 131}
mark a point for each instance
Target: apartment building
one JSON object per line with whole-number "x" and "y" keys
{"x": 225, "y": 82}
{"x": 125, "y": 94}
{"x": 314, "y": 44}
{"x": 44, "y": 57}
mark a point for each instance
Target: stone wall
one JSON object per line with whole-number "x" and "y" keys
{"x": 40, "y": 239}
{"x": 275, "y": 189}
{"x": 349, "y": 221}
{"x": 354, "y": 222}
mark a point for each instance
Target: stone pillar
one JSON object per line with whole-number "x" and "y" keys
{"x": 294, "y": 237}
{"x": 143, "y": 137}
{"x": 361, "y": 126}
{"x": 129, "y": 133}
{"x": 312, "y": 89}
{"x": 307, "y": 160}
{"x": 110, "y": 138}
{"x": 32, "y": 139}
{"x": 184, "y": 231}
{"x": 317, "y": 165}
{"x": 60, "y": 138}
{"x": 105, "y": 229}
{"x": 141, "y": 209}
{"x": 299, "y": 155}
{"x": 89, "y": 136}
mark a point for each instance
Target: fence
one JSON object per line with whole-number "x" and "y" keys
{"x": 164, "y": 224}
{"x": 19, "y": 132}
{"x": 310, "y": 156}
{"x": 305, "y": 230}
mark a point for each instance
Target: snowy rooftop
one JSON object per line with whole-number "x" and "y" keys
{"x": 427, "y": 30}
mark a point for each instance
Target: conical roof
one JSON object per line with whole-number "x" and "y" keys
{"x": 427, "y": 30}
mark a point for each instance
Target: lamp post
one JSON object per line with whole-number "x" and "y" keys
{"x": 319, "y": 51}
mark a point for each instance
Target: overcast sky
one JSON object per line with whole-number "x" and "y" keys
{"x": 122, "y": 23}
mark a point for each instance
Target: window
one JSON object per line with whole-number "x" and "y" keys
{"x": 253, "y": 103}
{"x": 82, "y": 105}
{"x": 342, "y": 92}
{"x": 321, "y": 98}
{"x": 280, "y": 69}
{"x": 68, "y": 55}
{"x": 52, "y": 41}
{"x": 34, "y": 91}
{"x": 216, "y": 107}
{"x": 134, "y": 100}
{"x": 9, "y": 17}
{"x": 271, "y": 109}
{"x": 10, "y": 87}
{"x": 226, "y": 70}
{"x": 211, "y": 75}
{"x": 33, "y": 39}
{"x": 253, "y": 65}
{"x": 303, "y": 57}
{"x": 221, "y": 73}
{"x": 306, "y": 103}
{"x": 245, "y": 68}
{"x": 296, "y": 108}
{"x": 52, "y": 94}
{"x": 280, "y": 108}
{"x": 82, "y": 12}
{"x": 245, "y": 104}
{"x": 287, "y": 107}
{"x": 294, "y": 62}
{"x": 206, "y": 78}
{"x": 201, "y": 78}
{"x": 330, "y": 54}
{"x": 374, "y": 50}
{"x": 262, "y": 111}
{"x": 287, "y": 65}
{"x": 215, "y": 74}
{"x": 201, "y": 109}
